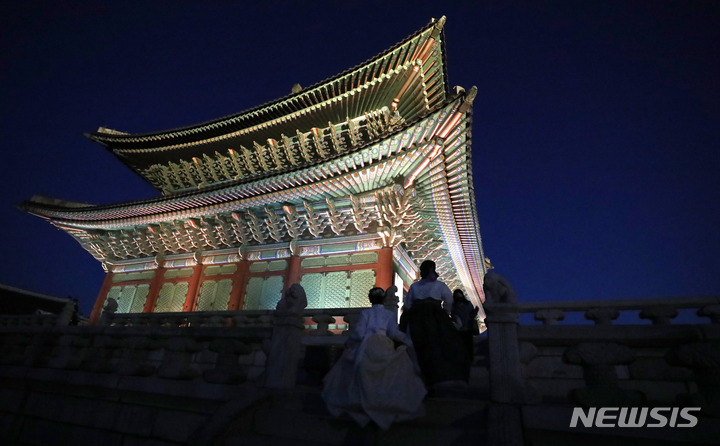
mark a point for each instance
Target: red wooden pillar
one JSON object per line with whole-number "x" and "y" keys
{"x": 193, "y": 286}
{"x": 384, "y": 276}
{"x": 154, "y": 291}
{"x": 240, "y": 281}
{"x": 292, "y": 275}
{"x": 100, "y": 301}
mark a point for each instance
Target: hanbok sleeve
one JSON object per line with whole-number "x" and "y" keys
{"x": 393, "y": 332}
{"x": 409, "y": 296}
{"x": 358, "y": 329}
{"x": 447, "y": 298}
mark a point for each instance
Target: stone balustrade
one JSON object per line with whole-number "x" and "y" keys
{"x": 244, "y": 318}
{"x": 210, "y": 346}
{"x": 21, "y": 320}
{"x": 641, "y": 352}
{"x": 661, "y": 311}
{"x": 619, "y": 358}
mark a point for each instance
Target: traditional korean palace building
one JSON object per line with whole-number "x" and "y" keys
{"x": 342, "y": 186}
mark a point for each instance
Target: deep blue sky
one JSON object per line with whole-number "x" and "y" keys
{"x": 595, "y": 134}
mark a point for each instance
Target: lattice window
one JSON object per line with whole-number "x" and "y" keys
{"x": 263, "y": 293}
{"x": 339, "y": 289}
{"x": 222, "y": 295}
{"x": 272, "y": 292}
{"x": 172, "y": 297}
{"x": 214, "y": 295}
{"x": 360, "y": 283}
{"x": 138, "y": 302}
{"x": 206, "y": 296}
{"x": 131, "y": 298}
{"x": 125, "y": 299}
{"x": 313, "y": 285}
{"x": 252, "y": 293}
{"x": 114, "y": 293}
{"x": 336, "y": 290}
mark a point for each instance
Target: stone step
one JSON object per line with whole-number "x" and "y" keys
{"x": 297, "y": 425}
{"x": 300, "y": 416}
{"x": 303, "y": 416}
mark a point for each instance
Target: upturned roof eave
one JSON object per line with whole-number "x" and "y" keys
{"x": 103, "y": 137}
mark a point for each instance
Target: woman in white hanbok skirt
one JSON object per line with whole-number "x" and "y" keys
{"x": 374, "y": 380}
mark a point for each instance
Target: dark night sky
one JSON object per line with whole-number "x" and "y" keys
{"x": 595, "y": 134}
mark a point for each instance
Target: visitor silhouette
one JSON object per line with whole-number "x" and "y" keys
{"x": 426, "y": 317}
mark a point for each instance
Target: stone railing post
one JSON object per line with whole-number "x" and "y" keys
{"x": 285, "y": 345}
{"x": 505, "y": 381}
{"x": 602, "y": 316}
{"x": 549, "y": 317}
{"x": 391, "y": 299}
{"x": 506, "y": 385}
{"x": 108, "y": 311}
{"x": 507, "y": 390}
{"x": 350, "y": 319}
{"x": 323, "y": 322}
{"x": 659, "y": 315}
{"x": 711, "y": 311}
{"x": 66, "y": 315}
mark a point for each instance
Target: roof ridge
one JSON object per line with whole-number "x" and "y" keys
{"x": 438, "y": 24}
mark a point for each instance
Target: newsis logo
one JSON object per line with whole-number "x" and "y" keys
{"x": 634, "y": 417}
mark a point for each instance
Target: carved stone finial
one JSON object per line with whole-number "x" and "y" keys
{"x": 498, "y": 289}
{"x": 294, "y": 300}
{"x": 469, "y": 98}
{"x": 391, "y": 299}
{"x": 111, "y": 306}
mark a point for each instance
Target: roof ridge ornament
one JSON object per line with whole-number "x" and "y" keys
{"x": 439, "y": 24}
{"x": 468, "y": 100}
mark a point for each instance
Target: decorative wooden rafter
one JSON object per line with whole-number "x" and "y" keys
{"x": 234, "y": 165}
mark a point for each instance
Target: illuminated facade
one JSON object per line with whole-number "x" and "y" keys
{"x": 341, "y": 186}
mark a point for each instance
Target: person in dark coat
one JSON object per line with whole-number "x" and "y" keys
{"x": 463, "y": 315}
{"x": 426, "y": 317}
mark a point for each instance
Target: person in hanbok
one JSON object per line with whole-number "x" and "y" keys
{"x": 374, "y": 380}
{"x": 463, "y": 317}
{"x": 426, "y": 317}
